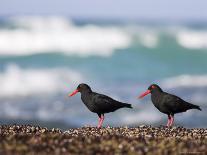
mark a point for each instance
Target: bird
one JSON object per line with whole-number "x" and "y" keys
{"x": 98, "y": 103}
{"x": 168, "y": 103}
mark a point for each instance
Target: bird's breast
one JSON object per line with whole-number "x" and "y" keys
{"x": 88, "y": 102}
{"x": 158, "y": 102}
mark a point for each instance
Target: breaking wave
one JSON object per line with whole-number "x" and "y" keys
{"x": 192, "y": 39}
{"x": 185, "y": 81}
{"x": 33, "y": 35}
{"x": 16, "y": 81}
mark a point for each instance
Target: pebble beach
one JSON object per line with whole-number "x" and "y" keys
{"x": 27, "y": 139}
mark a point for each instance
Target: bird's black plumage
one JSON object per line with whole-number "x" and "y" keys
{"x": 99, "y": 103}
{"x": 168, "y": 103}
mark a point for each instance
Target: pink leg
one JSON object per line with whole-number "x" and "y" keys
{"x": 171, "y": 120}
{"x": 168, "y": 121}
{"x": 101, "y": 121}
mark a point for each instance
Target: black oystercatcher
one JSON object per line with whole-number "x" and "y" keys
{"x": 98, "y": 103}
{"x": 168, "y": 103}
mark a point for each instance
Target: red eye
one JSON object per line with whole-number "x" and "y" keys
{"x": 153, "y": 87}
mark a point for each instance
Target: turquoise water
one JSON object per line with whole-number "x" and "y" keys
{"x": 43, "y": 59}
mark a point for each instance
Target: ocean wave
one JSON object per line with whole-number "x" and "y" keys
{"x": 185, "y": 81}
{"x": 146, "y": 115}
{"x": 192, "y": 39}
{"x": 146, "y": 36}
{"x": 33, "y": 35}
{"x": 16, "y": 81}
{"x": 149, "y": 39}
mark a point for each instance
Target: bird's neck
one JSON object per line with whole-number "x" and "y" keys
{"x": 86, "y": 97}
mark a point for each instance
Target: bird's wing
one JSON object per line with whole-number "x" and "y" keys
{"x": 104, "y": 102}
{"x": 174, "y": 103}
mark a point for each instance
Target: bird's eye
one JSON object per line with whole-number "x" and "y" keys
{"x": 153, "y": 87}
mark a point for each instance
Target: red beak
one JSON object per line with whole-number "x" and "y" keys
{"x": 73, "y": 93}
{"x": 144, "y": 94}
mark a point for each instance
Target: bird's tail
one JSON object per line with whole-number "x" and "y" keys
{"x": 197, "y": 107}
{"x": 127, "y": 105}
{"x": 192, "y": 106}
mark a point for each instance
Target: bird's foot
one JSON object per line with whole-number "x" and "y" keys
{"x": 99, "y": 125}
{"x": 167, "y": 126}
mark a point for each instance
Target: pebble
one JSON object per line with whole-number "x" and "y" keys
{"x": 27, "y": 139}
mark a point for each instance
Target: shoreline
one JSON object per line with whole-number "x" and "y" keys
{"x": 27, "y": 139}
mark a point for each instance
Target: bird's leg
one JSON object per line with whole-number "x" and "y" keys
{"x": 171, "y": 120}
{"x": 168, "y": 121}
{"x": 101, "y": 121}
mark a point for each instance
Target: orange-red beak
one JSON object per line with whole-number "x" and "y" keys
{"x": 74, "y": 92}
{"x": 144, "y": 94}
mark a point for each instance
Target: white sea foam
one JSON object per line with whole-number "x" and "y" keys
{"x": 145, "y": 36}
{"x": 185, "y": 81}
{"x": 148, "y": 38}
{"x": 146, "y": 115}
{"x": 192, "y": 39}
{"x": 16, "y": 81}
{"x": 56, "y": 34}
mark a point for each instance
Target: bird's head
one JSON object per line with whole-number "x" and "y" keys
{"x": 152, "y": 88}
{"x": 81, "y": 88}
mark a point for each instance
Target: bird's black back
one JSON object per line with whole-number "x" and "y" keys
{"x": 100, "y": 103}
{"x": 171, "y": 104}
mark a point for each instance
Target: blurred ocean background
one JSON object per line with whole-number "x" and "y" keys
{"x": 43, "y": 58}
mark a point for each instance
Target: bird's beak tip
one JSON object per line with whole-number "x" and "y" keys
{"x": 144, "y": 94}
{"x": 73, "y": 93}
